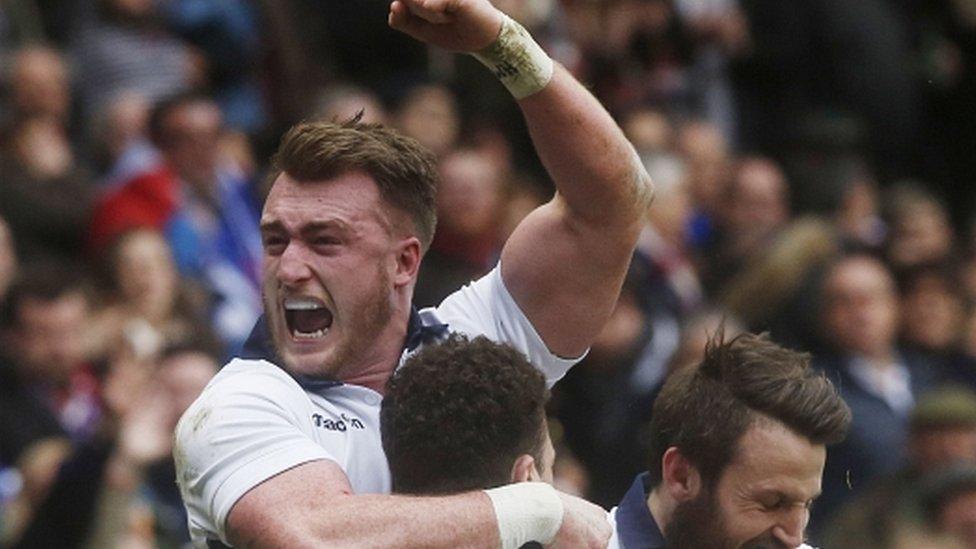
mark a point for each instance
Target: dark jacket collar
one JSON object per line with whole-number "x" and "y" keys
{"x": 636, "y": 528}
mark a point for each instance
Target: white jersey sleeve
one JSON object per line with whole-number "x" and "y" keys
{"x": 244, "y": 428}
{"x": 485, "y": 307}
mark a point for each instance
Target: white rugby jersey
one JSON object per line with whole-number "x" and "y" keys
{"x": 255, "y": 420}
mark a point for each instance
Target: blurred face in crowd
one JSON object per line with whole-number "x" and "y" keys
{"x": 39, "y": 83}
{"x": 648, "y": 130}
{"x": 860, "y": 307}
{"x": 932, "y": 314}
{"x": 469, "y": 195}
{"x": 42, "y": 148}
{"x": 756, "y": 204}
{"x": 958, "y": 518}
{"x": 146, "y": 275}
{"x": 429, "y": 115}
{"x": 940, "y": 447}
{"x": 330, "y": 273}
{"x": 706, "y": 153}
{"x": 920, "y": 234}
{"x": 672, "y": 199}
{"x": 761, "y": 499}
{"x": 49, "y": 336}
{"x": 124, "y": 122}
{"x": 183, "y": 377}
{"x": 192, "y": 135}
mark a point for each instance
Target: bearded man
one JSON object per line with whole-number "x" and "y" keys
{"x": 738, "y": 446}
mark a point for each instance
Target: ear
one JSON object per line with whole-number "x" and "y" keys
{"x": 407, "y": 261}
{"x": 679, "y": 476}
{"x": 524, "y": 469}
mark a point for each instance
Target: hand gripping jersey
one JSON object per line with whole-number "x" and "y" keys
{"x": 255, "y": 420}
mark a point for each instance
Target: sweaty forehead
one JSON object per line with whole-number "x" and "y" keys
{"x": 770, "y": 455}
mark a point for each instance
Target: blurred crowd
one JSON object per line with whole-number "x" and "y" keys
{"x": 814, "y": 164}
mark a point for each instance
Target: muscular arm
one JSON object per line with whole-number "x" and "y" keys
{"x": 566, "y": 261}
{"x": 314, "y": 507}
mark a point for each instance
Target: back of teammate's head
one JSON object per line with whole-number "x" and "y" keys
{"x": 704, "y": 411}
{"x": 465, "y": 415}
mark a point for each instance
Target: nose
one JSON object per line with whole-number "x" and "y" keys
{"x": 790, "y": 529}
{"x": 293, "y": 265}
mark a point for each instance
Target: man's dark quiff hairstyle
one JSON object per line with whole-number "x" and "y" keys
{"x": 704, "y": 411}
{"x": 459, "y": 413}
{"x": 404, "y": 171}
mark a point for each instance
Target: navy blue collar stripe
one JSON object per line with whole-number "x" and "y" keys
{"x": 259, "y": 346}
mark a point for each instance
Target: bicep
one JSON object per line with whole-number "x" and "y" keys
{"x": 566, "y": 274}
{"x": 275, "y": 513}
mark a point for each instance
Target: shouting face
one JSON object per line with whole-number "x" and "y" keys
{"x": 331, "y": 275}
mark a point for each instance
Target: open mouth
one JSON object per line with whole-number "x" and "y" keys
{"x": 307, "y": 317}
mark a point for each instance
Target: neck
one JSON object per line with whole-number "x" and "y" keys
{"x": 661, "y": 508}
{"x": 384, "y": 354}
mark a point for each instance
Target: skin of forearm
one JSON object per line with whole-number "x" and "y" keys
{"x": 465, "y": 520}
{"x": 594, "y": 167}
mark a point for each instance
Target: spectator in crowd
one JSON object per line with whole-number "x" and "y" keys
{"x": 45, "y": 195}
{"x": 706, "y": 154}
{"x": 123, "y": 46}
{"x": 50, "y": 390}
{"x": 229, "y": 35}
{"x": 737, "y": 451}
{"x": 118, "y": 489}
{"x": 121, "y": 139}
{"x": 138, "y": 501}
{"x": 933, "y": 311}
{"x": 466, "y": 415}
{"x": 755, "y": 206}
{"x": 697, "y": 330}
{"x": 920, "y": 232}
{"x": 204, "y": 206}
{"x": 469, "y": 203}
{"x": 149, "y": 306}
{"x": 941, "y": 435}
{"x": 428, "y": 112}
{"x": 878, "y": 380}
{"x": 951, "y": 505}
{"x": 607, "y": 398}
{"x": 344, "y": 101}
{"x": 38, "y": 84}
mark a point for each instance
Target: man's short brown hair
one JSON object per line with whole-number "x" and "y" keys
{"x": 402, "y": 168}
{"x": 705, "y": 411}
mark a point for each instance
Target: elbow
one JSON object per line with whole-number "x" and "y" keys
{"x": 638, "y": 198}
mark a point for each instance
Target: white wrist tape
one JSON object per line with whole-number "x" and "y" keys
{"x": 515, "y": 59}
{"x": 526, "y": 511}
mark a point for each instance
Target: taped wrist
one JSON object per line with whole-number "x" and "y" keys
{"x": 517, "y": 60}
{"x": 526, "y": 511}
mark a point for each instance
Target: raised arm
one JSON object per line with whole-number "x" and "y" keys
{"x": 566, "y": 261}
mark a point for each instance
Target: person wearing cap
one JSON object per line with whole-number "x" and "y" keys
{"x": 941, "y": 435}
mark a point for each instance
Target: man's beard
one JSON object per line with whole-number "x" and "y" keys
{"x": 361, "y": 329}
{"x": 699, "y": 523}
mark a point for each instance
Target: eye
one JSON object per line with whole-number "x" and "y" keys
{"x": 274, "y": 244}
{"x": 772, "y": 503}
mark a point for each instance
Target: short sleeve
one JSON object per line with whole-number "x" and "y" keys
{"x": 247, "y": 426}
{"x": 485, "y": 307}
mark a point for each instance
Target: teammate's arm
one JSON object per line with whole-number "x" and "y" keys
{"x": 566, "y": 261}
{"x": 312, "y": 505}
